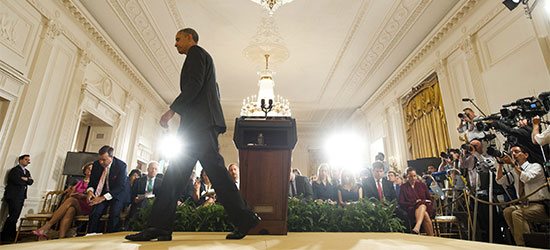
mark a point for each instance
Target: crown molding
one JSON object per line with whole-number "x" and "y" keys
{"x": 77, "y": 11}
{"x": 447, "y": 26}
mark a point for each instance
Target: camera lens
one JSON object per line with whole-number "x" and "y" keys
{"x": 460, "y": 115}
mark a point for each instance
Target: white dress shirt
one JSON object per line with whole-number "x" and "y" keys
{"x": 532, "y": 176}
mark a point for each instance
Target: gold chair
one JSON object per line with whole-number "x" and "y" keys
{"x": 51, "y": 203}
{"x": 440, "y": 218}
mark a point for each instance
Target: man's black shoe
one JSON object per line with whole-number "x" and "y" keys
{"x": 240, "y": 233}
{"x": 150, "y": 234}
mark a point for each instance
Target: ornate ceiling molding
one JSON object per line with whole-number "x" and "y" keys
{"x": 175, "y": 14}
{"x": 427, "y": 46}
{"x": 393, "y": 30}
{"x": 137, "y": 21}
{"x": 95, "y": 34}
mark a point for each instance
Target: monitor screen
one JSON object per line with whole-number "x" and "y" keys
{"x": 76, "y": 160}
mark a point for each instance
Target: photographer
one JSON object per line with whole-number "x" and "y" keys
{"x": 526, "y": 177}
{"x": 449, "y": 159}
{"x": 522, "y": 137}
{"x": 471, "y": 156}
{"x": 467, "y": 125}
{"x": 537, "y": 137}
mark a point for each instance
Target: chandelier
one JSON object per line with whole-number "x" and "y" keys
{"x": 265, "y": 103}
{"x": 271, "y": 5}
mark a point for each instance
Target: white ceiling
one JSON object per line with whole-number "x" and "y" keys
{"x": 341, "y": 51}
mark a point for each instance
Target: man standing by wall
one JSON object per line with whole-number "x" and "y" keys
{"x": 201, "y": 121}
{"x": 15, "y": 194}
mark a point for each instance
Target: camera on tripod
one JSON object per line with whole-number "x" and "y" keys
{"x": 527, "y": 107}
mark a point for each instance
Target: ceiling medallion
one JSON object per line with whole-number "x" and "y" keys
{"x": 271, "y": 5}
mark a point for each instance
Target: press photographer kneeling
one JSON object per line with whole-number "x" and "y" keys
{"x": 526, "y": 177}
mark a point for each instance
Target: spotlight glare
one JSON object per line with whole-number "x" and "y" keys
{"x": 170, "y": 146}
{"x": 345, "y": 150}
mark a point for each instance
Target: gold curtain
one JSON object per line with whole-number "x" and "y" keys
{"x": 425, "y": 121}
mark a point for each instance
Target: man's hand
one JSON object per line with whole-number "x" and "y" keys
{"x": 506, "y": 159}
{"x": 165, "y": 118}
{"x": 90, "y": 197}
{"x": 138, "y": 200}
{"x": 97, "y": 200}
{"x": 24, "y": 178}
{"x": 536, "y": 120}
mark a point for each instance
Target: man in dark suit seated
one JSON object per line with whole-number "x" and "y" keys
{"x": 382, "y": 189}
{"x": 15, "y": 194}
{"x": 108, "y": 187}
{"x": 299, "y": 185}
{"x": 145, "y": 188}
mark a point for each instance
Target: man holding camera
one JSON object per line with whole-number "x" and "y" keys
{"x": 526, "y": 177}
{"x": 467, "y": 125}
{"x": 537, "y": 137}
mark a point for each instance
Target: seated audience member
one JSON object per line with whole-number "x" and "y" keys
{"x": 108, "y": 187}
{"x": 382, "y": 189}
{"x": 204, "y": 192}
{"x": 526, "y": 177}
{"x": 397, "y": 184}
{"x": 323, "y": 189}
{"x": 430, "y": 180}
{"x": 380, "y": 158}
{"x": 300, "y": 185}
{"x": 377, "y": 186}
{"x": 134, "y": 175}
{"x": 73, "y": 205}
{"x": 335, "y": 176}
{"x": 392, "y": 177}
{"x": 187, "y": 194}
{"x": 349, "y": 190}
{"x": 233, "y": 170}
{"x": 145, "y": 188}
{"x": 416, "y": 200}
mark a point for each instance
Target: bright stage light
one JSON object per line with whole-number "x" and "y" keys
{"x": 170, "y": 146}
{"x": 346, "y": 150}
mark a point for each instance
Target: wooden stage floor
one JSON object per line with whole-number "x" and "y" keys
{"x": 204, "y": 241}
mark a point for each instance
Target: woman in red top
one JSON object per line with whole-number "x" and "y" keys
{"x": 75, "y": 204}
{"x": 416, "y": 199}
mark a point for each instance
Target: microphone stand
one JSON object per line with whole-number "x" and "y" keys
{"x": 473, "y": 103}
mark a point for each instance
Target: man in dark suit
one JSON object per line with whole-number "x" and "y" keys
{"x": 299, "y": 185}
{"x": 201, "y": 121}
{"x": 108, "y": 187}
{"x": 15, "y": 194}
{"x": 145, "y": 188}
{"x": 382, "y": 189}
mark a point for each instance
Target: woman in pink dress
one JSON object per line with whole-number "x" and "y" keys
{"x": 75, "y": 204}
{"x": 416, "y": 199}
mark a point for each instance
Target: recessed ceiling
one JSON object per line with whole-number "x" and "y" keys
{"x": 340, "y": 51}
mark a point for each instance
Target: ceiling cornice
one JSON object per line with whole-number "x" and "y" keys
{"x": 99, "y": 36}
{"x": 394, "y": 29}
{"x": 137, "y": 21}
{"x": 422, "y": 50}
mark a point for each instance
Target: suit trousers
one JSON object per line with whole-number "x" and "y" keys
{"x": 99, "y": 209}
{"x": 14, "y": 211}
{"x": 200, "y": 146}
{"x": 518, "y": 218}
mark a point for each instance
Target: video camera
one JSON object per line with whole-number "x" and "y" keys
{"x": 527, "y": 108}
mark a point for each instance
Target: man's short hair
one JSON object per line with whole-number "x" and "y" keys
{"x": 106, "y": 149}
{"x": 153, "y": 162}
{"x": 232, "y": 164}
{"x": 192, "y": 32}
{"x": 377, "y": 165}
{"x": 471, "y": 110}
{"x": 392, "y": 172}
{"x": 23, "y": 157}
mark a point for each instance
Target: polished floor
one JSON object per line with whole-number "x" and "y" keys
{"x": 204, "y": 241}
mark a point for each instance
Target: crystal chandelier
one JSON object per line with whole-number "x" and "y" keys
{"x": 265, "y": 103}
{"x": 271, "y": 5}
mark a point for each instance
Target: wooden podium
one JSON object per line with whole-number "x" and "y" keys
{"x": 265, "y": 149}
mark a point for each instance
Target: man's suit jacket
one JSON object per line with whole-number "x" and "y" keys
{"x": 16, "y": 188}
{"x": 371, "y": 190}
{"x": 119, "y": 186}
{"x": 303, "y": 187}
{"x": 198, "y": 104}
{"x": 140, "y": 185}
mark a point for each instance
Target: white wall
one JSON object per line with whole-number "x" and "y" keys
{"x": 56, "y": 64}
{"x": 480, "y": 50}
